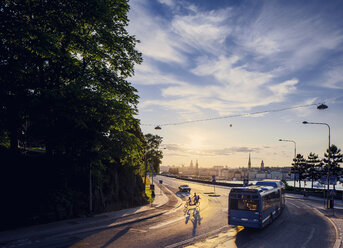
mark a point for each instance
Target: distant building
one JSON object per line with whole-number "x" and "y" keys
{"x": 262, "y": 165}
{"x": 226, "y": 173}
{"x": 249, "y": 163}
{"x": 261, "y": 175}
{"x": 252, "y": 174}
{"x": 218, "y": 167}
{"x": 276, "y": 175}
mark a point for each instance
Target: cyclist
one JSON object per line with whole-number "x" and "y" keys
{"x": 196, "y": 198}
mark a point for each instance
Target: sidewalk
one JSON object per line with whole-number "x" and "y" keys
{"x": 77, "y": 225}
{"x": 335, "y": 215}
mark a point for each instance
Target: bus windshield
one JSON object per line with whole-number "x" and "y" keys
{"x": 243, "y": 204}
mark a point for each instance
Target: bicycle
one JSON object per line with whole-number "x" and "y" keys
{"x": 194, "y": 201}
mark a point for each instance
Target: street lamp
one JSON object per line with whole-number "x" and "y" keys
{"x": 295, "y": 146}
{"x": 295, "y": 153}
{"x": 322, "y": 106}
{"x": 329, "y": 160}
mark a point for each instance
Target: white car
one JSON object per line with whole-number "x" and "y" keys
{"x": 184, "y": 188}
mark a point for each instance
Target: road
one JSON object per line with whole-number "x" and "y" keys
{"x": 299, "y": 226}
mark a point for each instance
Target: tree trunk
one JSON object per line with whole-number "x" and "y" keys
{"x": 13, "y": 140}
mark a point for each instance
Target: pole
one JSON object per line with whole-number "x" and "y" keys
{"x": 90, "y": 190}
{"x": 146, "y": 165}
{"x": 295, "y": 155}
{"x": 152, "y": 175}
{"x": 329, "y": 160}
{"x": 329, "y": 164}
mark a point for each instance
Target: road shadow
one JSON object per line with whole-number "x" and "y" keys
{"x": 193, "y": 215}
{"x": 214, "y": 195}
{"x": 182, "y": 195}
{"x": 117, "y": 236}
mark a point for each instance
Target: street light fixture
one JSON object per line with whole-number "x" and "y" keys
{"x": 322, "y": 106}
{"x": 295, "y": 145}
{"x": 329, "y": 159}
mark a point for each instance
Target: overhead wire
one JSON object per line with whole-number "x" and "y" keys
{"x": 233, "y": 116}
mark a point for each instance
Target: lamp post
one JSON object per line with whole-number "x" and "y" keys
{"x": 295, "y": 146}
{"x": 146, "y": 167}
{"x": 295, "y": 153}
{"x": 329, "y": 160}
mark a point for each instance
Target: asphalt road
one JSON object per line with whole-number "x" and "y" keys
{"x": 170, "y": 229}
{"x": 205, "y": 226}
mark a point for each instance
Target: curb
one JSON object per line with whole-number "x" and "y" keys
{"x": 338, "y": 241}
{"x": 338, "y": 234}
{"x": 55, "y": 233}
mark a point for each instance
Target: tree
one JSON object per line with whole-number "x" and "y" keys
{"x": 299, "y": 168}
{"x": 335, "y": 159}
{"x": 63, "y": 69}
{"x": 153, "y": 154}
{"x": 314, "y": 167}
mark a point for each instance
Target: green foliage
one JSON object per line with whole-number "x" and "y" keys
{"x": 64, "y": 67}
{"x": 314, "y": 167}
{"x": 336, "y": 157}
{"x": 153, "y": 154}
{"x": 148, "y": 191}
{"x": 299, "y": 166}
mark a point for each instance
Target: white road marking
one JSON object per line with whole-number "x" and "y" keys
{"x": 308, "y": 238}
{"x": 167, "y": 223}
{"x": 197, "y": 237}
{"x": 293, "y": 204}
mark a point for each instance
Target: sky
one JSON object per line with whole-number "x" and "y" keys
{"x": 224, "y": 60}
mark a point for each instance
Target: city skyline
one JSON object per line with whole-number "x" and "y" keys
{"x": 255, "y": 165}
{"x": 207, "y": 60}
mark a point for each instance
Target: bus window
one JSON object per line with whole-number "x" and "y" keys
{"x": 241, "y": 204}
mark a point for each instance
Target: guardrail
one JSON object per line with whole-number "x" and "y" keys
{"x": 206, "y": 181}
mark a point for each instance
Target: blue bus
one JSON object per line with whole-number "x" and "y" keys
{"x": 275, "y": 184}
{"x": 254, "y": 206}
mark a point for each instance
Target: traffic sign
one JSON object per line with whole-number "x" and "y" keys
{"x": 333, "y": 180}
{"x": 213, "y": 179}
{"x": 332, "y": 192}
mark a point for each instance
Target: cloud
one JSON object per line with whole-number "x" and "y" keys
{"x": 285, "y": 88}
{"x": 236, "y": 88}
{"x": 204, "y": 31}
{"x": 333, "y": 78}
{"x": 184, "y": 149}
{"x": 153, "y": 32}
{"x": 292, "y": 36}
{"x": 225, "y": 61}
{"x": 169, "y": 3}
{"x": 303, "y": 112}
{"x": 148, "y": 74}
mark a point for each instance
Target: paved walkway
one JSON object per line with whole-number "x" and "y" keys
{"x": 334, "y": 215}
{"x": 86, "y": 224}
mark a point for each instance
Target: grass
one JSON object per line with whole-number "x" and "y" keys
{"x": 148, "y": 191}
